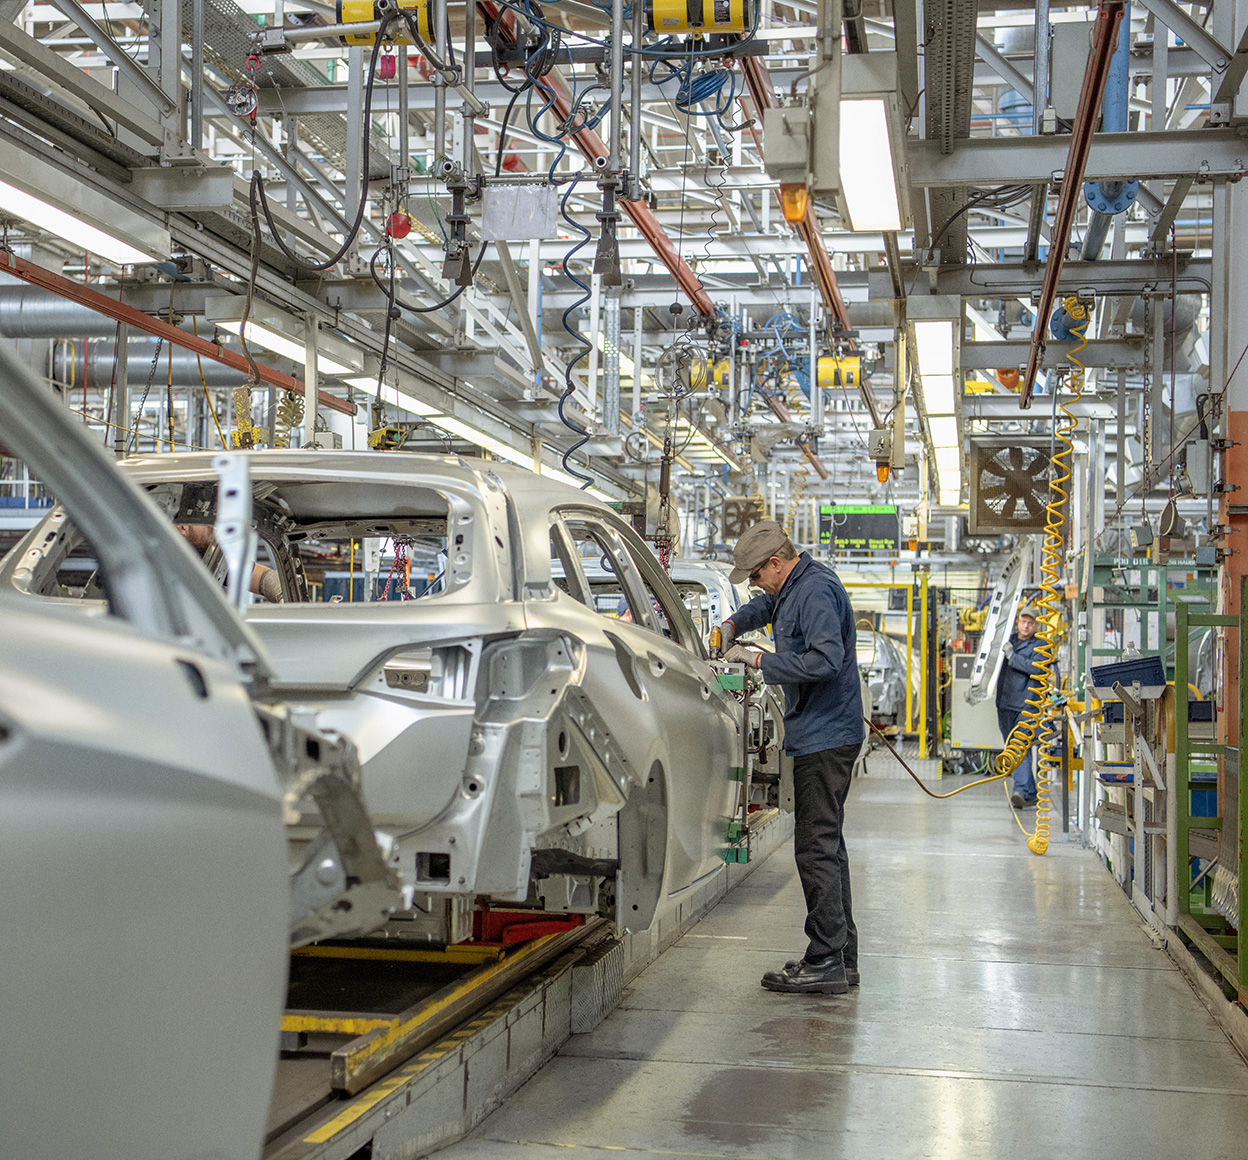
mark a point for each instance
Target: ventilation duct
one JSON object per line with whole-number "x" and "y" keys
{"x": 68, "y": 365}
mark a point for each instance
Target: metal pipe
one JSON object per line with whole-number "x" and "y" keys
{"x": 405, "y": 149}
{"x": 634, "y": 105}
{"x": 197, "y": 74}
{"x": 121, "y": 394}
{"x": 1114, "y": 111}
{"x": 29, "y": 313}
{"x": 614, "y": 163}
{"x": 27, "y": 271}
{"x": 470, "y": 84}
{"x": 95, "y": 371}
{"x": 439, "y": 83}
{"x": 1104, "y": 38}
{"x": 1097, "y": 232}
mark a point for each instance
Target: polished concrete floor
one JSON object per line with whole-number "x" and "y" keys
{"x": 1011, "y": 1007}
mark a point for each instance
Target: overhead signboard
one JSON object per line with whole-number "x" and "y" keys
{"x": 859, "y": 527}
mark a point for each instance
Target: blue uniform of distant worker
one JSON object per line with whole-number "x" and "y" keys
{"x": 816, "y": 664}
{"x": 1018, "y": 683}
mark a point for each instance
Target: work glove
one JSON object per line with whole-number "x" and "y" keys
{"x": 1007, "y": 650}
{"x": 727, "y": 634}
{"x": 740, "y": 655}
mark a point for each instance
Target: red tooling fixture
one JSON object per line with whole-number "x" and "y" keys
{"x": 10, "y": 263}
{"x": 511, "y": 927}
{"x": 1104, "y": 38}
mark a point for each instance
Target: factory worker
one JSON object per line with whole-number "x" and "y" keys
{"x": 1017, "y": 683}
{"x": 264, "y": 580}
{"x": 816, "y": 665}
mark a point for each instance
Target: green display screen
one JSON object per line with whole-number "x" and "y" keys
{"x": 859, "y": 527}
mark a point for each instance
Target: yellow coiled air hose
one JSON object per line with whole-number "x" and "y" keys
{"x": 1035, "y": 718}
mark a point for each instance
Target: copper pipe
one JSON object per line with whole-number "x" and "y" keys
{"x": 10, "y": 263}
{"x": 592, "y": 148}
{"x": 1104, "y": 38}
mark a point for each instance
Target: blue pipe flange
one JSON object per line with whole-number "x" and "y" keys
{"x": 1061, "y": 324}
{"x": 1110, "y": 196}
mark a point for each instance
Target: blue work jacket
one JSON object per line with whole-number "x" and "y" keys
{"x": 816, "y": 657}
{"x": 1018, "y": 682}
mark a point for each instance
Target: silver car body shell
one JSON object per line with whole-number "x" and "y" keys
{"x": 146, "y": 904}
{"x": 523, "y": 681}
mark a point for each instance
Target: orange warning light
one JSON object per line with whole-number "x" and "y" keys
{"x": 794, "y": 199}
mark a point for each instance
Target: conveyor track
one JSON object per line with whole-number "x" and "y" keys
{"x": 357, "y": 1012}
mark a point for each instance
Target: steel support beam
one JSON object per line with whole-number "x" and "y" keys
{"x": 10, "y": 263}
{"x": 1010, "y": 280}
{"x": 1170, "y": 211}
{"x": 1191, "y": 32}
{"x": 134, "y": 73}
{"x": 1004, "y": 68}
{"x": 1104, "y": 39}
{"x": 16, "y": 46}
{"x": 1112, "y": 354}
{"x": 990, "y": 161}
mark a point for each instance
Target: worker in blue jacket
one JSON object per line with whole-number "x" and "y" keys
{"x": 816, "y": 665}
{"x": 1018, "y": 682}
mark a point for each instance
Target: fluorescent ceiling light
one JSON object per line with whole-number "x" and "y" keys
{"x": 868, "y": 179}
{"x": 486, "y": 442}
{"x": 367, "y": 384}
{"x": 948, "y": 461}
{"x": 938, "y": 394}
{"x": 934, "y": 341}
{"x": 72, "y": 229}
{"x": 288, "y": 347}
{"x": 952, "y": 497}
{"x": 945, "y": 431}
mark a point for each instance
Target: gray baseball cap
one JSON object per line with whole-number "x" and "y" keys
{"x": 762, "y": 541}
{"x": 1029, "y": 610}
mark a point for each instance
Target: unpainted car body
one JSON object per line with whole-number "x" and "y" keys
{"x": 514, "y": 742}
{"x": 884, "y": 667}
{"x": 147, "y": 893}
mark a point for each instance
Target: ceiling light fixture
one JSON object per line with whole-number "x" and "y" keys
{"x": 75, "y": 230}
{"x": 284, "y": 334}
{"x": 873, "y": 191}
{"x": 945, "y": 431}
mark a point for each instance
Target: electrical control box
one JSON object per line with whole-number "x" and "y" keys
{"x": 971, "y": 726}
{"x": 786, "y": 142}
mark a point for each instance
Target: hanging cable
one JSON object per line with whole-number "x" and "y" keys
{"x": 258, "y": 198}
{"x": 919, "y": 781}
{"x": 574, "y": 425}
{"x": 1038, "y": 716}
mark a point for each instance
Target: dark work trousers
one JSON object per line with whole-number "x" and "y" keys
{"x": 820, "y": 783}
{"x": 1024, "y": 777}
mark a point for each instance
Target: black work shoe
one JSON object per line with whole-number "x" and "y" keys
{"x": 825, "y": 977}
{"x": 852, "y": 977}
{"x": 1016, "y": 800}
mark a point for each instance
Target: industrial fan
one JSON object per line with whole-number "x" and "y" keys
{"x": 1009, "y": 486}
{"x": 740, "y": 512}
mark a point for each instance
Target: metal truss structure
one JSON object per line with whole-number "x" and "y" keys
{"x": 160, "y": 113}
